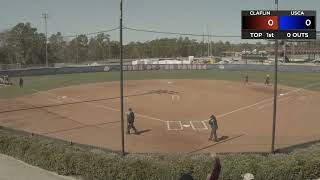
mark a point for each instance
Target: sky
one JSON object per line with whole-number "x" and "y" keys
{"x": 220, "y": 17}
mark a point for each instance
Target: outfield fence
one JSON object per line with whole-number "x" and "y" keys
{"x": 10, "y": 66}
{"x": 155, "y": 67}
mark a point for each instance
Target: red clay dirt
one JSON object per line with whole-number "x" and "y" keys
{"x": 171, "y": 115}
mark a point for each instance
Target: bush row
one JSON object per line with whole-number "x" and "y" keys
{"x": 94, "y": 164}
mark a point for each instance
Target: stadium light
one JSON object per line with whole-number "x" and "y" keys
{"x": 121, "y": 82}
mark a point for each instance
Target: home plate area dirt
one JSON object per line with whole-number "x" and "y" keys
{"x": 171, "y": 115}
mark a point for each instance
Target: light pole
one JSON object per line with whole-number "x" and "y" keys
{"x": 275, "y": 91}
{"x": 45, "y": 17}
{"x": 77, "y": 50}
{"x": 109, "y": 52}
{"x": 121, "y": 82}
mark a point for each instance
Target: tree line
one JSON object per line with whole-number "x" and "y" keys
{"x": 25, "y": 45}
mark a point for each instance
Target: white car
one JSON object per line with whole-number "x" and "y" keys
{"x": 317, "y": 61}
{"x": 224, "y": 62}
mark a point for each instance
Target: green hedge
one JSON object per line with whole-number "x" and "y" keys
{"x": 92, "y": 164}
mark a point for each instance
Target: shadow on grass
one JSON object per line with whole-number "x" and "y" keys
{"x": 292, "y": 148}
{"x": 222, "y": 139}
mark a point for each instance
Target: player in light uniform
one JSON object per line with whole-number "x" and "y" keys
{"x": 267, "y": 82}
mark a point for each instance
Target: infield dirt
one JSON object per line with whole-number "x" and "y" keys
{"x": 170, "y": 114}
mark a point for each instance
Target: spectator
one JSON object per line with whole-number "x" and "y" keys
{"x": 186, "y": 176}
{"x": 216, "y": 169}
{"x": 248, "y": 176}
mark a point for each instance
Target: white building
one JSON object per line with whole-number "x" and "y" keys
{"x": 161, "y": 61}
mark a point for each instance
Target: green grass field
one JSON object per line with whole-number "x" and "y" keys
{"x": 300, "y": 80}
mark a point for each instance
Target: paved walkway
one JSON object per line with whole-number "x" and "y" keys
{"x": 12, "y": 169}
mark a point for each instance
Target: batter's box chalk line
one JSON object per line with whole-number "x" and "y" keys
{"x": 203, "y": 124}
{"x": 175, "y": 97}
{"x": 179, "y": 123}
{"x": 178, "y": 126}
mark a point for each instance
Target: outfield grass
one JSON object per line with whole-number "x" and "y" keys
{"x": 300, "y": 80}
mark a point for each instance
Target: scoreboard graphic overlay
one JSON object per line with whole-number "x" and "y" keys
{"x": 297, "y": 24}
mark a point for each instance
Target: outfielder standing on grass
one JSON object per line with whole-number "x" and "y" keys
{"x": 130, "y": 121}
{"x": 214, "y": 127}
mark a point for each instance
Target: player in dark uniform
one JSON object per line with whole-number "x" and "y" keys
{"x": 267, "y": 82}
{"x": 21, "y": 83}
{"x": 246, "y": 79}
{"x": 130, "y": 121}
{"x": 214, "y": 127}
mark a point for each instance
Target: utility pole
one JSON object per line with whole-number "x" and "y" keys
{"x": 284, "y": 51}
{"x": 121, "y": 82}
{"x": 77, "y": 50}
{"x": 202, "y": 45}
{"x": 275, "y": 91}
{"x": 245, "y": 55}
{"x": 309, "y": 52}
{"x": 45, "y": 17}
{"x": 109, "y": 53}
{"x": 208, "y": 41}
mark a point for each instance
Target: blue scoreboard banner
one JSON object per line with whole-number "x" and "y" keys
{"x": 264, "y": 24}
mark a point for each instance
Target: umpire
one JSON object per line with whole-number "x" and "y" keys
{"x": 214, "y": 127}
{"x": 130, "y": 121}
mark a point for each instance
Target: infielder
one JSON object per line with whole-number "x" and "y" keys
{"x": 214, "y": 127}
{"x": 130, "y": 121}
{"x": 267, "y": 82}
{"x": 246, "y": 79}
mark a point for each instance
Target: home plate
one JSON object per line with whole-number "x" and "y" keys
{"x": 63, "y": 97}
{"x": 281, "y": 94}
{"x": 169, "y": 82}
{"x": 186, "y": 125}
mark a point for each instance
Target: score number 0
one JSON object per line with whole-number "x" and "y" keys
{"x": 270, "y": 22}
{"x": 308, "y": 22}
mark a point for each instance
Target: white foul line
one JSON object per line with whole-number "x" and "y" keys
{"x": 269, "y": 99}
{"x": 269, "y": 104}
{"x": 102, "y": 106}
{"x": 219, "y": 116}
